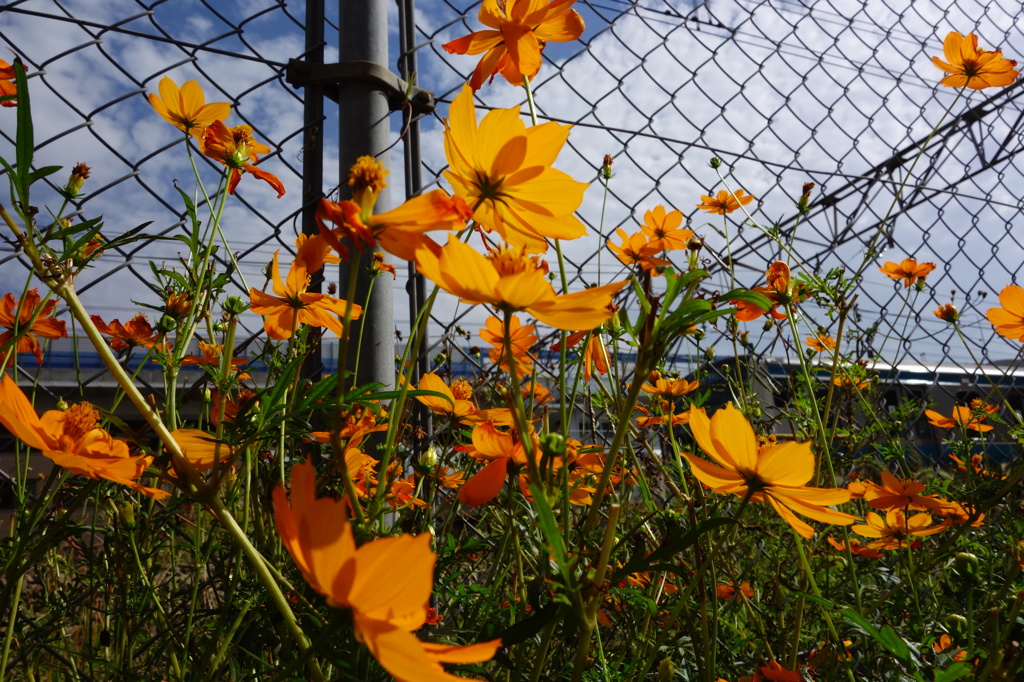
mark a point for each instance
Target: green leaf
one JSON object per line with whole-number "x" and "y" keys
{"x": 956, "y": 671}
{"x": 41, "y": 173}
{"x": 548, "y": 526}
{"x": 25, "y": 144}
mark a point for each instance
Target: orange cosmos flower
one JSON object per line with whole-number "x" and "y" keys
{"x": 944, "y": 644}
{"x": 856, "y": 548}
{"x": 32, "y": 320}
{"x": 236, "y": 149}
{"x": 523, "y": 338}
{"x": 895, "y": 530}
{"x": 776, "y": 474}
{"x": 503, "y": 170}
{"x": 499, "y": 449}
{"x": 729, "y": 591}
{"x": 636, "y": 250}
{"x": 7, "y": 86}
{"x": 669, "y": 388}
{"x": 457, "y": 406}
{"x": 201, "y": 449}
{"x": 291, "y": 305}
{"x": 962, "y": 417}
{"x": 724, "y": 202}
{"x": 399, "y": 231}
{"x": 909, "y": 270}
{"x": 519, "y": 30}
{"x": 186, "y": 109}
{"x": 72, "y": 439}
{"x": 977, "y": 69}
{"x": 135, "y": 332}
{"x": 386, "y": 582}
{"x": 662, "y": 229}
{"x": 821, "y": 343}
{"x": 511, "y": 280}
{"x": 895, "y": 493}
{"x": 1009, "y": 320}
{"x": 210, "y": 357}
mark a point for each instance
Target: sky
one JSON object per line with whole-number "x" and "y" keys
{"x": 784, "y": 92}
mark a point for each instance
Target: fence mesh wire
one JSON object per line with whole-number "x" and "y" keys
{"x": 784, "y": 92}
{"x": 840, "y": 94}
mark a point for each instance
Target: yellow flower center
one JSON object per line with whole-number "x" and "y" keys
{"x": 462, "y": 389}
{"x": 511, "y": 261}
{"x": 78, "y": 420}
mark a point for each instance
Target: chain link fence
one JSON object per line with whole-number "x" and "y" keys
{"x": 784, "y": 92}
{"x": 843, "y": 95}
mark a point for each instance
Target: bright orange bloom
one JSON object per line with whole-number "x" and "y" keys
{"x": 456, "y": 406}
{"x": 399, "y": 231}
{"x": 724, "y": 202}
{"x": 662, "y": 229}
{"x": 186, "y": 109}
{"x": 135, "y": 332}
{"x": 977, "y": 69}
{"x": 523, "y": 338}
{"x": 895, "y": 493}
{"x": 895, "y": 530}
{"x": 511, "y": 280}
{"x": 779, "y": 289}
{"x": 73, "y": 440}
{"x": 776, "y": 474}
{"x": 291, "y": 305}
{"x": 909, "y": 270}
{"x": 210, "y": 357}
{"x": 595, "y": 357}
{"x": 7, "y": 86}
{"x": 944, "y": 644}
{"x": 856, "y": 548}
{"x": 499, "y": 449}
{"x": 44, "y": 325}
{"x": 201, "y": 449}
{"x": 729, "y": 591}
{"x": 636, "y": 250}
{"x": 386, "y": 582}
{"x": 963, "y": 417}
{"x": 947, "y": 312}
{"x": 519, "y": 29}
{"x": 504, "y": 171}
{"x": 821, "y": 343}
{"x": 236, "y": 149}
{"x": 669, "y": 388}
{"x": 1009, "y": 320}
{"x": 773, "y": 672}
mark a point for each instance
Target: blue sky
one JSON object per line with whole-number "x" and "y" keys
{"x": 784, "y": 92}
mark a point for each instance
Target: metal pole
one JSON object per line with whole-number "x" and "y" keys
{"x": 313, "y": 154}
{"x": 364, "y": 127}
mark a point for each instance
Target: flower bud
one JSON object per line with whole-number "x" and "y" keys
{"x": 79, "y": 174}
{"x": 429, "y": 458}
{"x": 126, "y": 514}
{"x": 805, "y": 197}
{"x": 956, "y": 623}
{"x": 966, "y": 563}
{"x": 947, "y": 312}
{"x": 234, "y": 306}
{"x": 716, "y": 162}
{"x": 606, "y": 168}
{"x": 553, "y": 444}
{"x": 666, "y": 671}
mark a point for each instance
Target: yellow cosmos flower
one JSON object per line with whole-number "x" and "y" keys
{"x": 977, "y": 69}
{"x": 909, "y": 270}
{"x": 504, "y": 172}
{"x": 520, "y": 29}
{"x": 511, "y": 280}
{"x": 776, "y": 474}
{"x": 186, "y": 109}
{"x": 663, "y": 231}
{"x": 386, "y": 583}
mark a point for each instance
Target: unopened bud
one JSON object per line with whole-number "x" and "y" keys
{"x": 709, "y": 355}
{"x": 966, "y": 563}
{"x": 716, "y": 162}
{"x": 61, "y": 404}
{"x": 956, "y": 623}
{"x": 234, "y": 306}
{"x": 553, "y": 444}
{"x": 666, "y": 670}
{"x": 126, "y": 514}
{"x": 805, "y": 197}
{"x": 79, "y": 174}
{"x": 429, "y": 458}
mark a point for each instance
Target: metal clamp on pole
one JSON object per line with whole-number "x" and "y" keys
{"x": 330, "y": 76}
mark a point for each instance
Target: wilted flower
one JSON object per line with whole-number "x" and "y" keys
{"x": 947, "y": 312}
